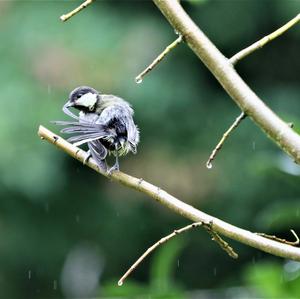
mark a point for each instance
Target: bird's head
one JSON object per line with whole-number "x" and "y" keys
{"x": 84, "y": 99}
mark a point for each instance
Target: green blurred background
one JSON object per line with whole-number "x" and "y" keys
{"x": 66, "y": 232}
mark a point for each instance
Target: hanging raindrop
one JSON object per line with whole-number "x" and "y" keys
{"x": 138, "y": 80}
{"x": 208, "y": 165}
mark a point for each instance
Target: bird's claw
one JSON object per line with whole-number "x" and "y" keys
{"x": 112, "y": 169}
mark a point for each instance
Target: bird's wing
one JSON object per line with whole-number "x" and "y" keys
{"x": 85, "y": 132}
{"x": 122, "y": 114}
{"x": 133, "y": 134}
{"x": 98, "y": 151}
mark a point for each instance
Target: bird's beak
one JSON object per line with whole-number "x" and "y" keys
{"x": 66, "y": 110}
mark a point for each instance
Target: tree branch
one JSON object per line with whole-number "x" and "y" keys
{"x": 224, "y": 137}
{"x": 215, "y": 237}
{"x": 223, "y": 70}
{"x": 272, "y": 237}
{"x": 157, "y": 60}
{"x": 177, "y": 206}
{"x": 154, "y": 246}
{"x": 75, "y": 11}
{"x": 259, "y": 44}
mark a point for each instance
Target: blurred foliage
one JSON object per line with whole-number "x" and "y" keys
{"x": 50, "y": 204}
{"x": 272, "y": 280}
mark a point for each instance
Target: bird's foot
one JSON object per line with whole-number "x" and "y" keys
{"x": 112, "y": 169}
{"x": 115, "y": 167}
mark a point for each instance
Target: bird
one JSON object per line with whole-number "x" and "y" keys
{"x": 105, "y": 123}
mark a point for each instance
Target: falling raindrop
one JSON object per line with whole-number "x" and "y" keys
{"x": 120, "y": 283}
{"x": 54, "y": 285}
{"x": 208, "y": 165}
{"x": 29, "y": 274}
{"x": 253, "y": 145}
{"x": 77, "y": 218}
{"x": 215, "y": 271}
{"x": 138, "y": 80}
{"x": 177, "y": 263}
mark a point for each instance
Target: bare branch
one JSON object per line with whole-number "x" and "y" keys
{"x": 259, "y": 44}
{"x": 223, "y": 244}
{"x": 154, "y": 246}
{"x": 177, "y": 206}
{"x": 75, "y": 11}
{"x": 225, "y": 136}
{"x": 208, "y": 226}
{"x": 158, "y": 59}
{"x": 272, "y": 237}
{"x": 274, "y": 127}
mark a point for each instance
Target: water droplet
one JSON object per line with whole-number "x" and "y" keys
{"x": 208, "y": 165}
{"x": 177, "y": 263}
{"x": 138, "y": 80}
{"x": 215, "y": 271}
{"x": 120, "y": 283}
{"x": 253, "y": 145}
{"x": 29, "y": 274}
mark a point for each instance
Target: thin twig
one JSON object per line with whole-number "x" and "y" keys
{"x": 76, "y": 10}
{"x": 272, "y": 125}
{"x": 176, "y": 205}
{"x": 215, "y": 237}
{"x": 222, "y": 243}
{"x": 272, "y": 237}
{"x": 154, "y": 246}
{"x": 225, "y": 136}
{"x": 158, "y": 59}
{"x": 259, "y": 44}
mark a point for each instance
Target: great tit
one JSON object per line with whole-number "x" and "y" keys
{"x": 105, "y": 123}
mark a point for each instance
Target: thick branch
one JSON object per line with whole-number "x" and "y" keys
{"x": 177, "y": 206}
{"x": 259, "y": 44}
{"x": 223, "y": 70}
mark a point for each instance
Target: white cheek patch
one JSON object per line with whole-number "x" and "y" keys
{"x": 87, "y": 100}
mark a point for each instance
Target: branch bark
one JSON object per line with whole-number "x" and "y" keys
{"x": 224, "y": 72}
{"x": 177, "y": 206}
